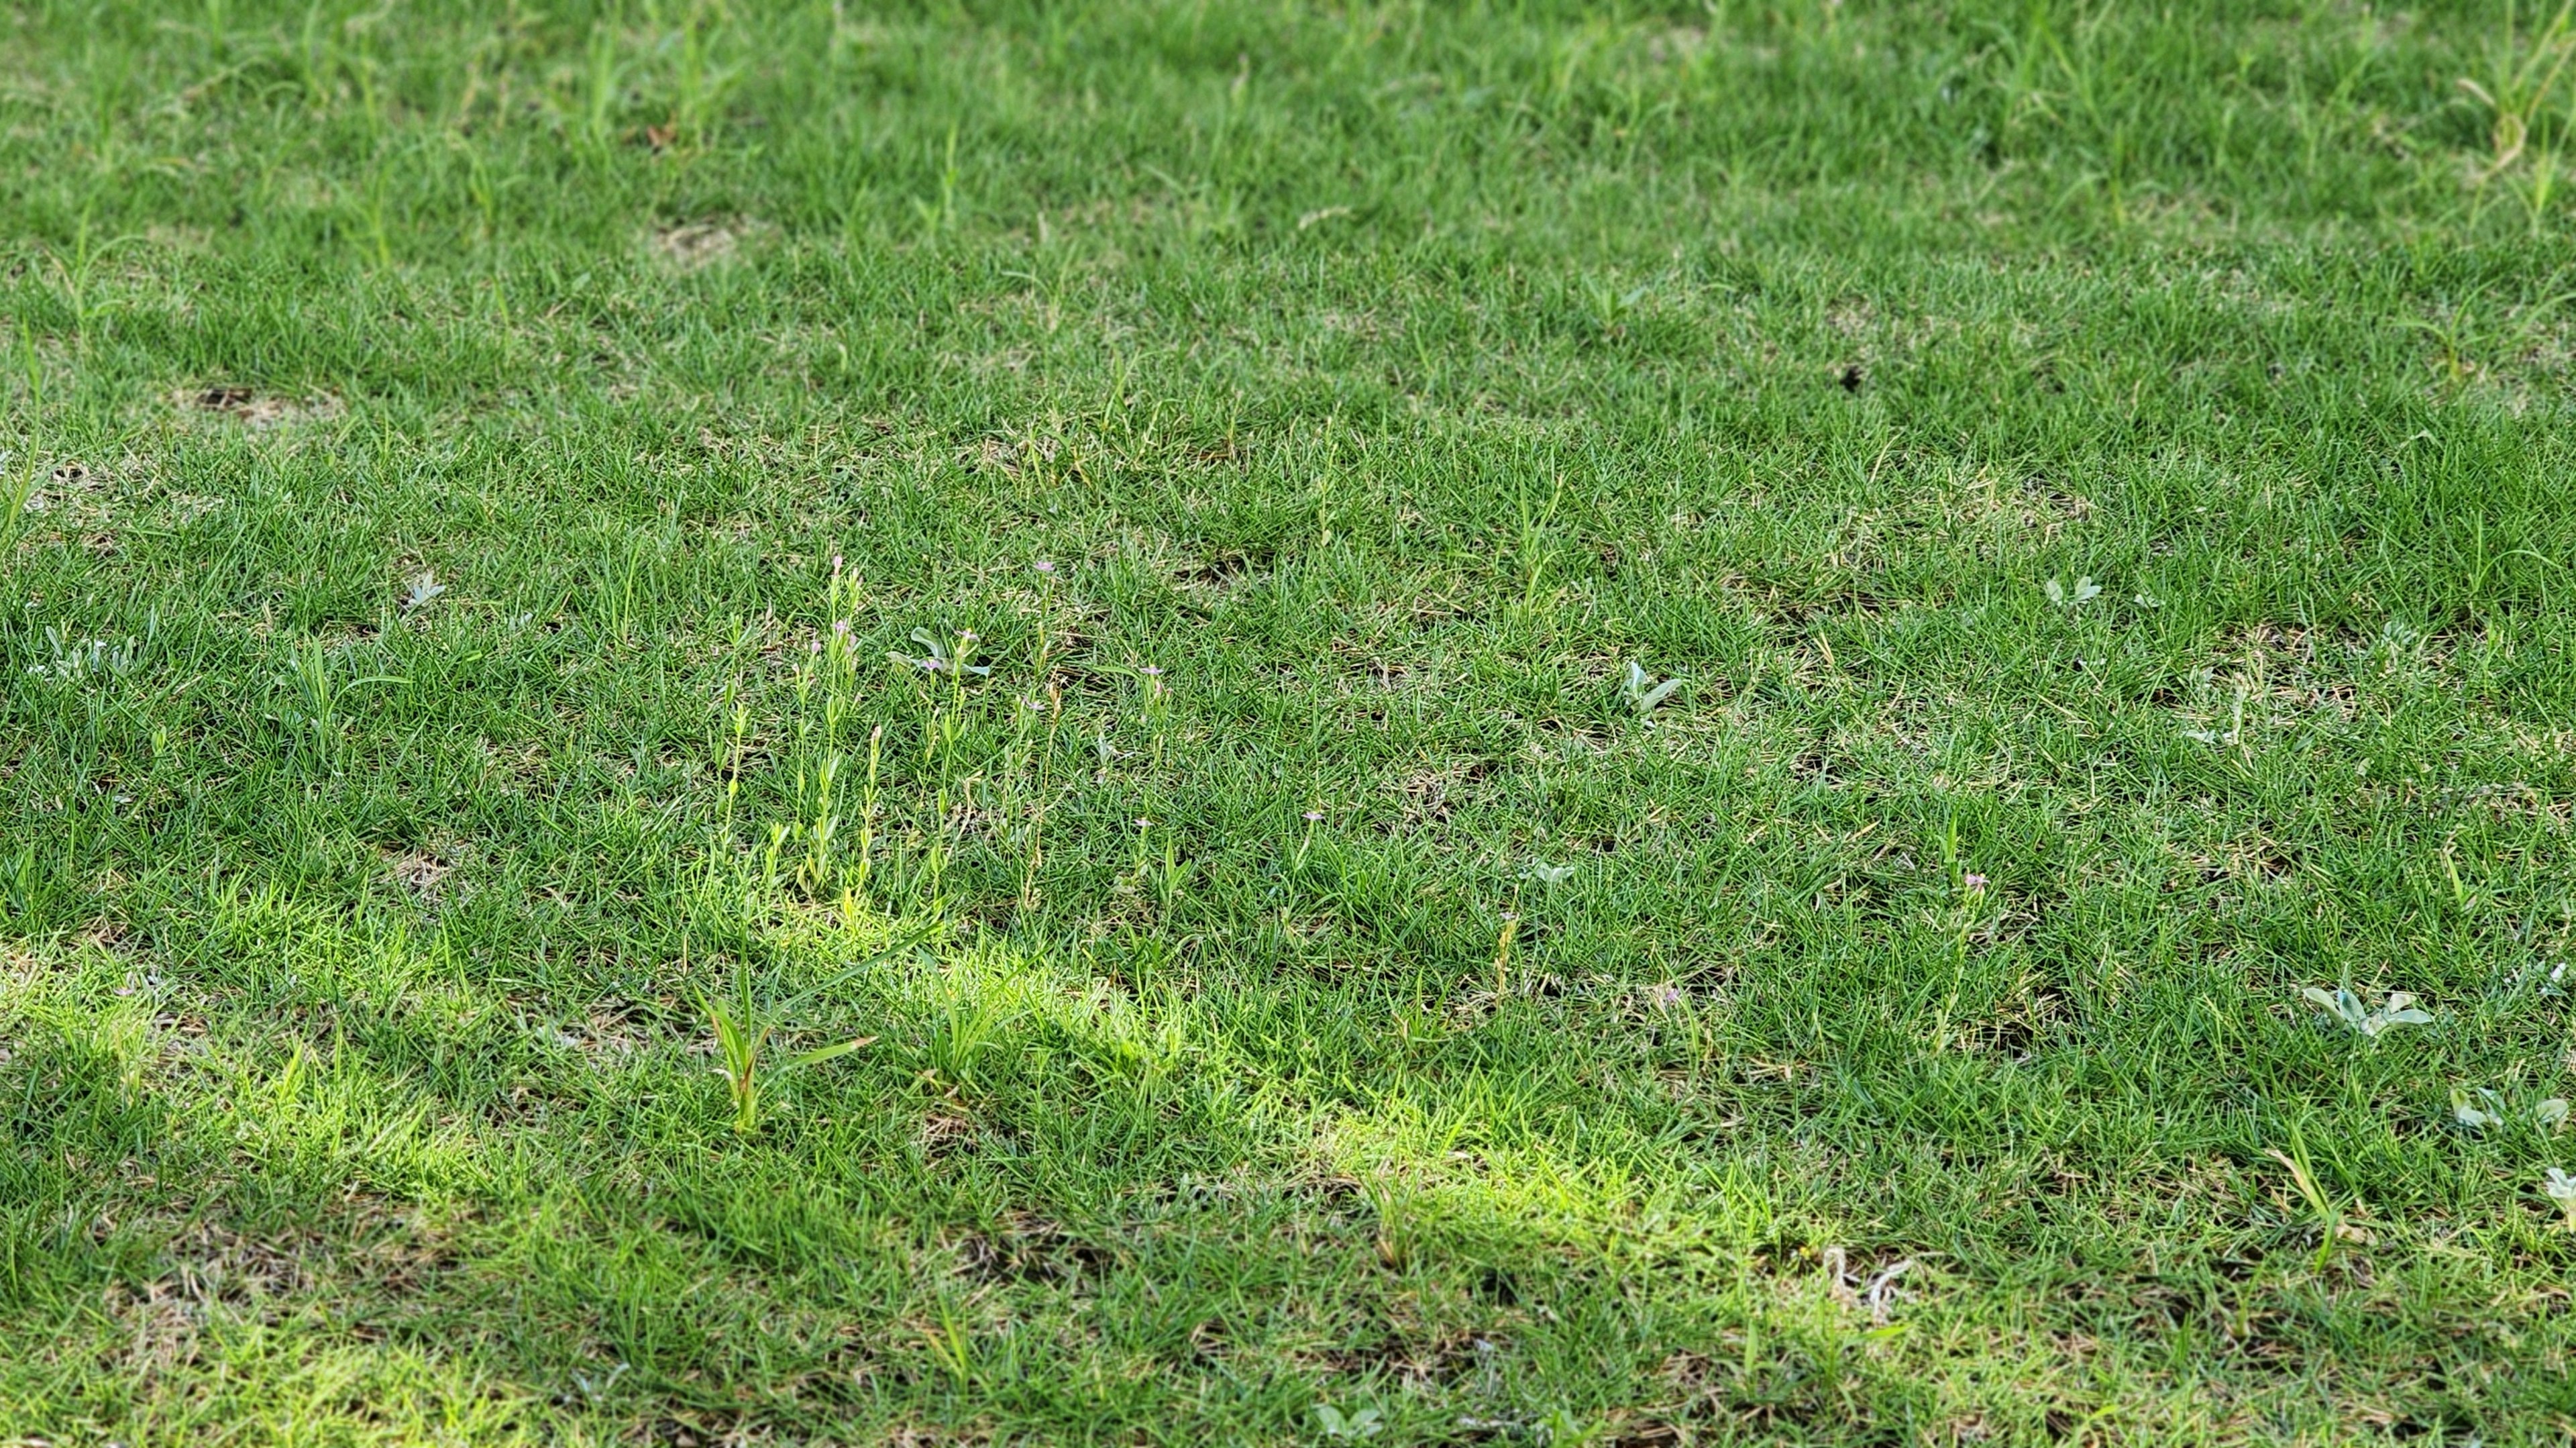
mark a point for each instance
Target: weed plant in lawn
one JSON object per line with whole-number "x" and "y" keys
{"x": 1256, "y": 723}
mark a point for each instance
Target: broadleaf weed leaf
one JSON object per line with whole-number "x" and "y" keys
{"x": 2561, "y": 1188}
{"x": 1643, "y": 692}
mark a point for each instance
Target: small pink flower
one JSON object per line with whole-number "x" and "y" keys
{"x": 1668, "y": 995}
{"x": 1043, "y": 566}
{"x": 1974, "y": 881}
{"x": 1314, "y": 815}
{"x": 1144, "y": 824}
{"x": 841, "y": 626}
{"x": 836, "y": 563}
{"x": 1151, "y": 671}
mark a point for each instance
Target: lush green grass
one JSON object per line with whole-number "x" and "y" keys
{"x": 1307, "y": 991}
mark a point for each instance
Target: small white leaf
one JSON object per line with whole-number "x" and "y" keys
{"x": 2468, "y": 1114}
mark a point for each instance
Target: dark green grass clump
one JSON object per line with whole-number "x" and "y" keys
{"x": 1508, "y": 723}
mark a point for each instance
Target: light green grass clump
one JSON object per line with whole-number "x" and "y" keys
{"x": 1507, "y": 723}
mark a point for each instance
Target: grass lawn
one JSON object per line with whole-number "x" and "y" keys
{"x": 1206, "y": 722}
